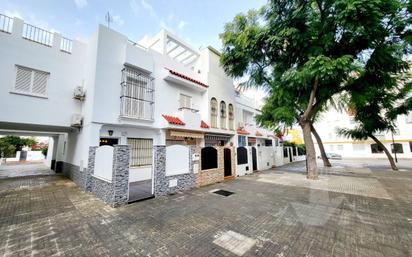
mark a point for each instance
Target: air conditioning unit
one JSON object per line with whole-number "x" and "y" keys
{"x": 79, "y": 93}
{"x": 77, "y": 120}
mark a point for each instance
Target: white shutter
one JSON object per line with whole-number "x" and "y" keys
{"x": 40, "y": 83}
{"x": 23, "y": 80}
{"x": 31, "y": 81}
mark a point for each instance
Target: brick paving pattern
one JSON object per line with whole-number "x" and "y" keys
{"x": 50, "y": 216}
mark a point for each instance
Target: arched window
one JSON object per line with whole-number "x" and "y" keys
{"x": 231, "y": 117}
{"x": 222, "y": 115}
{"x": 213, "y": 113}
{"x": 241, "y": 155}
{"x": 209, "y": 158}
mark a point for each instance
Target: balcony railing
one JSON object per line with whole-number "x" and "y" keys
{"x": 66, "y": 45}
{"x": 38, "y": 35}
{"x": 137, "y": 45}
{"x": 6, "y": 23}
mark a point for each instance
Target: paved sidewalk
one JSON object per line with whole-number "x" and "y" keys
{"x": 24, "y": 169}
{"x": 50, "y": 216}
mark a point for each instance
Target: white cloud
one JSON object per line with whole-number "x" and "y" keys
{"x": 181, "y": 24}
{"x": 80, "y": 3}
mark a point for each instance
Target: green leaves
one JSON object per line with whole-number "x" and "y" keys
{"x": 353, "y": 46}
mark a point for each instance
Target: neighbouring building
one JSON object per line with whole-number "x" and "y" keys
{"x": 128, "y": 120}
{"x": 400, "y": 141}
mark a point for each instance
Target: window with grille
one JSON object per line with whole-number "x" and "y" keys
{"x": 141, "y": 151}
{"x": 137, "y": 97}
{"x": 185, "y": 101}
{"x": 213, "y": 113}
{"x": 31, "y": 82}
{"x": 222, "y": 115}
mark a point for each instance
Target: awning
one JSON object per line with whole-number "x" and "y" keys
{"x": 185, "y": 134}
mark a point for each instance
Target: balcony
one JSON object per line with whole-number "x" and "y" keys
{"x": 184, "y": 80}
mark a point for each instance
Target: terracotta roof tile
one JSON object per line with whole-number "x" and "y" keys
{"x": 258, "y": 134}
{"x": 188, "y": 78}
{"x": 242, "y": 131}
{"x": 203, "y": 124}
{"x": 173, "y": 120}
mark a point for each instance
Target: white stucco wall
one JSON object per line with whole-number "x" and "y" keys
{"x": 66, "y": 73}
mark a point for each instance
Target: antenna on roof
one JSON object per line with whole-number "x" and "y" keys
{"x": 109, "y": 19}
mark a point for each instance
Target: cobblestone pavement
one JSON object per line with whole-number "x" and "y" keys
{"x": 50, "y": 216}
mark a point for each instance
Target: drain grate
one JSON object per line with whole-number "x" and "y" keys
{"x": 223, "y": 192}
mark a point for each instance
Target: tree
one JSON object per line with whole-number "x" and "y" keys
{"x": 6, "y": 149}
{"x": 303, "y": 52}
{"x": 18, "y": 142}
{"x": 378, "y": 97}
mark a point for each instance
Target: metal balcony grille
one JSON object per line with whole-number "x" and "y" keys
{"x": 137, "y": 94}
{"x": 6, "y": 23}
{"x": 66, "y": 45}
{"x": 38, "y": 35}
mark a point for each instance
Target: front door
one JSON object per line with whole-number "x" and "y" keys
{"x": 228, "y": 162}
{"x": 290, "y": 155}
{"x": 254, "y": 158}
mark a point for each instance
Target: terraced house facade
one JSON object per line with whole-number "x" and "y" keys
{"x": 130, "y": 120}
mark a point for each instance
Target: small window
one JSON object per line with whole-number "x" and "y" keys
{"x": 397, "y": 148}
{"x": 241, "y": 140}
{"x": 31, "y": 82}
{"x": 340, "y": 147}
{"x": 141, "y": 151}
{"x": 376, "y": 148}
{"x": 185, "y": 101}
{"x": 268, "y": 142}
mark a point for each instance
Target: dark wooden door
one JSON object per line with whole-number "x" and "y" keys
{"x": 254, "y": 158}
{"x": 228, "y": 162}
{"x": 290, "y": 155}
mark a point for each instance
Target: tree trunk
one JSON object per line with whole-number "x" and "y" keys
{"x": 312, "y": 168}
{"x": 325, "y": 159}
{"x": 388, "y": 154}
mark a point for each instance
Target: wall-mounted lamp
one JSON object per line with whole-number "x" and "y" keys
{"x": 110, "y": 132}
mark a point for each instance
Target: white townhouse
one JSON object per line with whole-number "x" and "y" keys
{"x": 400, "y": 141}
{"x": 169, "y": 110}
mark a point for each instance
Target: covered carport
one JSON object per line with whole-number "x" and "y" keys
{"x": 57, "y": 138}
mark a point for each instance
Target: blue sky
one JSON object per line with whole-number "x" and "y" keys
{"x": 199, "y": 22}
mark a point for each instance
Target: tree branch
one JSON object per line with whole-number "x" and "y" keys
{"x": 309, "y": 108}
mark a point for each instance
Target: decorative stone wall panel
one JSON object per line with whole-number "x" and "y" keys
{"x": 212, "y": 176}
{"x": 162, "y": 182}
